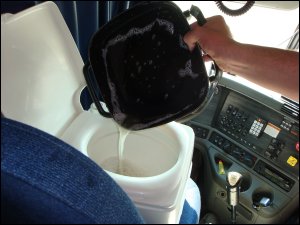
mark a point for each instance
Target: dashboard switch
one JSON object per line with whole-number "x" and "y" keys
{"x": 292, "y": 161}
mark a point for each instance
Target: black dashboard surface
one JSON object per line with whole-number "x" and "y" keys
{"x": 260, "y": 139}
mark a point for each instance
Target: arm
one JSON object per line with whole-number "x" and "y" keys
{"x": 275, "y": 69}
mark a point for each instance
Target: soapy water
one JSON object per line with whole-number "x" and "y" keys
{"x": 120, "y": 165}
{"x": 122, "y": 137}
{"x": 139, "y": 31}
{"x": 187, "y": 71}
{"x": 128, "y": 168}
{"x": 148, "y": 78}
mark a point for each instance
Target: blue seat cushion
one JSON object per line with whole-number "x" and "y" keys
{"x": 44, "y": 180}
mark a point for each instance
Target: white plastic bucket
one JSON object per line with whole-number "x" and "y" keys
{"x": 160, "y": 156}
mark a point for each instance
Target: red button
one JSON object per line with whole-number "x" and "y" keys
{"x": 297, "y": 146}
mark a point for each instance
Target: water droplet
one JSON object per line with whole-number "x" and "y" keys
{"x": 166, "y": 96}
{"x": 158, "y": 43}
{"x": 139, "y": 69}
{"x": 187, "y": 71}
{"x": 153, "y": 36}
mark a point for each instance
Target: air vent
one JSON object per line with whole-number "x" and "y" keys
{"x": 290, "y": 107}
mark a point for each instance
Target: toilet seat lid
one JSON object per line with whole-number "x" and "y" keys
{"x": 41, "y": 69}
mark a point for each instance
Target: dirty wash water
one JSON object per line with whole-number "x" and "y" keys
{"x": 118, "y": 164}
{"x": 122, "y": 137}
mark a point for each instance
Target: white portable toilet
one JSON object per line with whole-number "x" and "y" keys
{"x": 41, "y": 83}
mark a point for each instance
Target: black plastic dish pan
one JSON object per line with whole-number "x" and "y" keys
{"x": 143, "y": 70}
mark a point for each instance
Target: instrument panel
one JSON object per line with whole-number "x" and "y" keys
{"x": 261, "y": 130}
{"x": 264, "y": 140}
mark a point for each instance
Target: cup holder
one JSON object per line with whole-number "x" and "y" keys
{"x": 262, "y": 198}
{"x": 246, "y": 182}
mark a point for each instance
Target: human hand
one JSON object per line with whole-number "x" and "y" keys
{"x": 214, "y": 38}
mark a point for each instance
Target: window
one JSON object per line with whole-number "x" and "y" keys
{"x": 260, "y": 25}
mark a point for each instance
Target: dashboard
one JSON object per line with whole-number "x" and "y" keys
{"x": 257, "y": 136}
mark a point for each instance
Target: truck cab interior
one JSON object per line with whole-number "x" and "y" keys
{"x": 236, "y": 160}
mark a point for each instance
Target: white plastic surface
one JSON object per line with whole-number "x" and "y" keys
{"x": 163, "y": 153}
{"x": 41, "y": 69}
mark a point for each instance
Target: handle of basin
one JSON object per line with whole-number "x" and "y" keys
{"x": 91, "y": 85}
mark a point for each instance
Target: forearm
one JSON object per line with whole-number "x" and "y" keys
{"x": 275, "y": 69}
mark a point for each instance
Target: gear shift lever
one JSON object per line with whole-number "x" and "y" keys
{"x": 233, "y": 191}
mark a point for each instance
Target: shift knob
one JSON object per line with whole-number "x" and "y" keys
{"x": 233, "y": 178}
{"x": 233, "y": 187}
{"x": 233, "y": 191}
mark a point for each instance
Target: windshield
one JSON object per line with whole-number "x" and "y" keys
{"x": 260, "y": 25}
